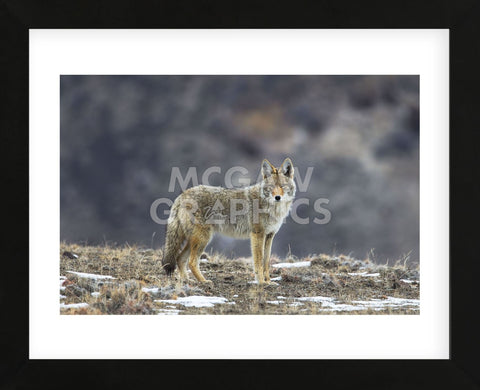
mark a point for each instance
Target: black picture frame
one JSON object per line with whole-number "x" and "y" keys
{"x": 460, "y": 17}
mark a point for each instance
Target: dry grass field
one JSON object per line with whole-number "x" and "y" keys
{"x": 113, "y": 279}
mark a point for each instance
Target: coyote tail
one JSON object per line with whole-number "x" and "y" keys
{"x": 174, "y": 240}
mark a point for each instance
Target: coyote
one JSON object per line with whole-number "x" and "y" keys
{"x": 256, "y": 212}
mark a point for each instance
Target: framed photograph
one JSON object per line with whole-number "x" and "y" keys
{"x": 233, "y": 194}
{"x": 184, "y": 154}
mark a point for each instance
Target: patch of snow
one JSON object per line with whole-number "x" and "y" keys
{"x": 271, "y": 282}
{"x": 152, "y": 290}
{"x": 91, "y": 276}
{"x": 374, "y": 275}
{"x": 407, "y": 281}
{"x": 391, "y": 301}
{"x": 73, "y": 305}
{"x": 317, "y": 299}
{"x": 195, "y": 301}
{"x": 293, "y": 304}
{"x": 281, "y": 297}
{"x": 274, "y": 302}
{"x": 62, "y": 296}
{"x": 293, "y": 265}
{"x": 277, "y": 279}
{"x": 235, "y": 296}
{"x": 329, "y": 304}
{"x": 95, "y": 294}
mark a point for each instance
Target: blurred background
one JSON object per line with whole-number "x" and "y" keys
{"x": 121, "y": 136}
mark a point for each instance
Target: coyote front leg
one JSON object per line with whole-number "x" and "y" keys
{"x": 266, "y": 256}
{"x": 258, "y": 247}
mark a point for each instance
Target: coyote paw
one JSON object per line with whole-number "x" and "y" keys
{"x": 207, "y": 282}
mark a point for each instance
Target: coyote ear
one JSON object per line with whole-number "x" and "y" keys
{"x": 287, "y": 168}
{"x": 267, "y": 169}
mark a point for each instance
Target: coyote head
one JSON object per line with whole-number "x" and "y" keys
{"x": 278, "y": 184}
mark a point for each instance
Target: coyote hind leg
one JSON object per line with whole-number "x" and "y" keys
{"x": 198, "y": 241}
{"x": 182, "y": 263}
